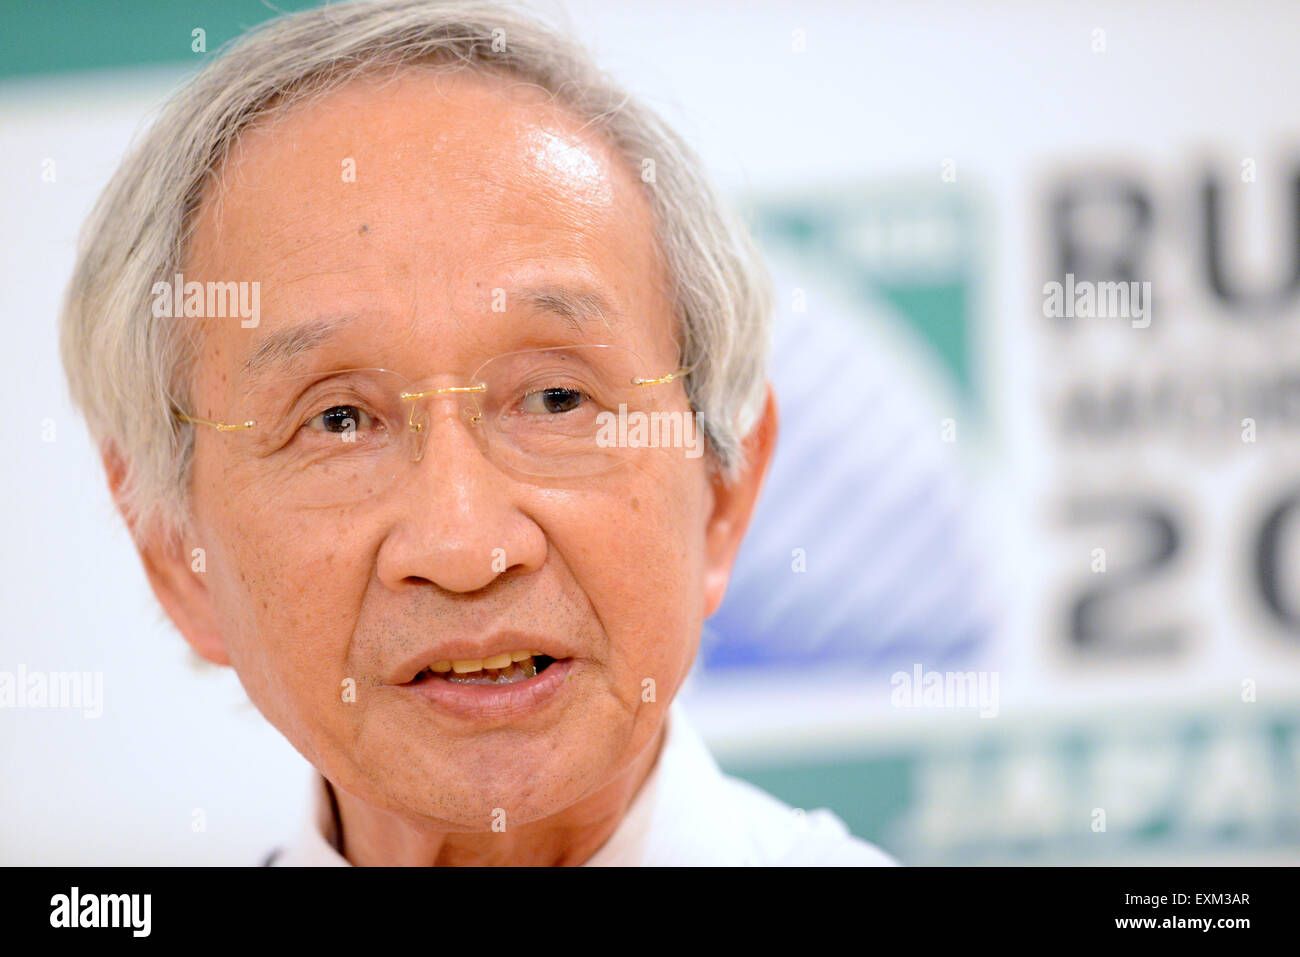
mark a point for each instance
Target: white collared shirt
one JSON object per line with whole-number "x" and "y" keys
{"x": 687, "y": 813}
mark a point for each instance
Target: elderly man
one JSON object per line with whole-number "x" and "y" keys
{"x": 402, "y": 333}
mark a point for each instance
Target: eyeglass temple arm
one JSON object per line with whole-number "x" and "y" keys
{"x": 661, "y": 380}
{"x": 219, "y": 426}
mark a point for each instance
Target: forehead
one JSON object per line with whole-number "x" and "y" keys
{"x": 411, "y": 206}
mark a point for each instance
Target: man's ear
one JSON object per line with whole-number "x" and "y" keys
{"x": 733, "y": 505}
{"x": 175, "y": 572}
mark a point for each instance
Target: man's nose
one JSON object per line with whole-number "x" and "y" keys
{"x": 459, "y": 526}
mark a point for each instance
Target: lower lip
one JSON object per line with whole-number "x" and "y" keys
{"x": 502, "y": 702}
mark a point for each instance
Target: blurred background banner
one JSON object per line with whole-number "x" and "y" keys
{"x": 861, "y": 553}
{"x": 1024, "y": 583}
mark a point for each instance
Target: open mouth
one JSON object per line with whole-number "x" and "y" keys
{"x": 503, "y": 669}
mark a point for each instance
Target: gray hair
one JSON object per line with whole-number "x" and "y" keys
{"x": 129, "y": 370}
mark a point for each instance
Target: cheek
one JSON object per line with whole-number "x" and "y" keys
{"x": 637, "y": 554}
{"x": 286, "y": 589}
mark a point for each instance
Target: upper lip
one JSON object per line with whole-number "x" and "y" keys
{"x": 476, "y": 649}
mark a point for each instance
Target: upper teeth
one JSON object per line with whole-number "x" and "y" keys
{"x": 467, "y": 665}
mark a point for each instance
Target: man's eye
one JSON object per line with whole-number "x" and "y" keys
{"x": 341, "y": 418}
{"x": 552, "y": 401}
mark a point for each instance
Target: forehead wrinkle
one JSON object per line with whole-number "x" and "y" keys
{"x": 576, "y": 307}
{"x": 286, "y": 283}
{"x": 311, "y": 244}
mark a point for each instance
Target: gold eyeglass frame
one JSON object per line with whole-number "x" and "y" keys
{"x": 412, "y": 397}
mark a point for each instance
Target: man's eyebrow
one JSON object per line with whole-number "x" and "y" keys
{"x": 578, "y": 306}
{"x": 283, "y": 346}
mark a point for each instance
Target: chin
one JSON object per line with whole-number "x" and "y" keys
{"x": 472, "y": 792}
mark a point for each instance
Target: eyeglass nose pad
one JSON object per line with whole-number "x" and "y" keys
{"x": 417, "y": 433}
{"x": 472, "y": 410}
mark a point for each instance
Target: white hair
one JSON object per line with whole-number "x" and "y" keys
{"x": 129, "y": 370}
